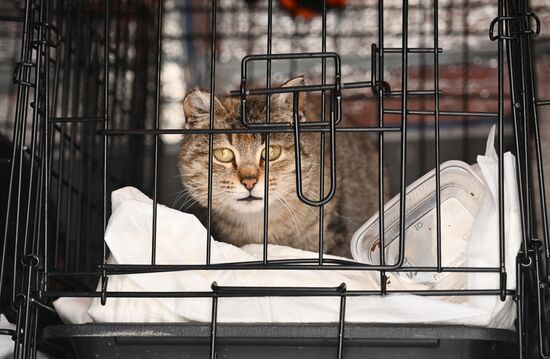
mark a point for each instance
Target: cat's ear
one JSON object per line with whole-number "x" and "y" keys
{"x": 287, "y": 99}
{"x": 196, "y": 107}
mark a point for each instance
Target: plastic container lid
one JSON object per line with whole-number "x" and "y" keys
{"x": 461, "y": 192}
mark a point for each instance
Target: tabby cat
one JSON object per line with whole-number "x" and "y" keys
{"x": 238, "y": 175}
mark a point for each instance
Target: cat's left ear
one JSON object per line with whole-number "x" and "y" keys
{"x": 287, "y": 99}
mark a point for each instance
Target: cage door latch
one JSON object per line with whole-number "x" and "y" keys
{"x": 518, "y": 25}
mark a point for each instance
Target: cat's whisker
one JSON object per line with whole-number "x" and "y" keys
{"x": 310, "y": 209}
{"x": 291, "y": 214}
{"x": 327, "y": 208}
{"x": 195, "y": 195}
{"x": 291, "y": 193}
{"x": 181, "y": 195}
{"x": 178, "y": 198}
{"x": 299, "y": 229}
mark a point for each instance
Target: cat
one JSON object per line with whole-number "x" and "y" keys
{"x": 238, "y": 175}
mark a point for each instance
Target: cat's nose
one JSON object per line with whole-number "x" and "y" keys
{"x": 249, "y": 183}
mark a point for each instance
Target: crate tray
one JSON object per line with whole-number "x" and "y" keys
{"x": 266, "y": 341}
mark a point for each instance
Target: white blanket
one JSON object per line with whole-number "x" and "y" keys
{"x": 181, "y": 239}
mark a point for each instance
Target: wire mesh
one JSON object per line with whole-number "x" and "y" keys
{"x": 93, "y": 115}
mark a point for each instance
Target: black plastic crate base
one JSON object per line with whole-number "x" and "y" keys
{"x": 267, "y": 341}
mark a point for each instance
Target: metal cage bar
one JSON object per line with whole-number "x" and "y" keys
{"x": 73, "y": 127}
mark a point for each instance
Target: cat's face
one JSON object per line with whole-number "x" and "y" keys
{"x": 239, "y": 160}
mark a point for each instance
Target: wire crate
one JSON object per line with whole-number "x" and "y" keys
{"x": 100, "y": 85}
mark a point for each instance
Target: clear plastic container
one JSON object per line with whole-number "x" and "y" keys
{"x": 461, "y": 192}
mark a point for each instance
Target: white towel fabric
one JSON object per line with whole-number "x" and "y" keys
{"x": 181, "y": 239}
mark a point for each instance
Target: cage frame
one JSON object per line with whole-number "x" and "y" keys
{"x": 514, "y": 36}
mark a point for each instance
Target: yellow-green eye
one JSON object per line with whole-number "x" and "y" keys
{"x": 274, "y": 152}
{"x": 224, "y": 155}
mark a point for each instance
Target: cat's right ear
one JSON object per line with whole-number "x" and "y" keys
{"x": 196, "y": 108}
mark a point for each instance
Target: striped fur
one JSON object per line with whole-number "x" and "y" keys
{"x": 291, "y": 222}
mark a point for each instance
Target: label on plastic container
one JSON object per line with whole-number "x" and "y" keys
{"x": 421, "y": 247}
{"x": 461, "y": 191}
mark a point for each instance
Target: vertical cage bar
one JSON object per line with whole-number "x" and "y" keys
{"x": 520, "y": 310}
{"x": 17, "y": 337}
{"x": 526, "y": 137}
{"x": 157, "y": 126}
{"x": 46, "y": 153}
{"x": 214, "y": 321}
{"x": 342, "y": 320}
{"x": 322, "y": 140}
{"x": 105, "y": 123}
{"x": 465, "y": 78}
{"x": 532, "y": 101}
{"x": 34, "y": 136}
{"x": 267, "y": 120}
{"x": 28, "y": 262}
{"x": 517, "y": 133}
{"x": 541, "y": 311}
{"x": 26, "y": 299}
{"x": 378, "y": 86}
{"x": 35, "y": 332}
{"x": 18, "y": 143}
{"x": 56, "y": 90}
{"x": 437, "y": 143}
{"x": 500, "y": 202}
{"x": 404, "y": 110}
{"x": 214, "y": 5}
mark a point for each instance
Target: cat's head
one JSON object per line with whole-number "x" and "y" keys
{"x": 238, "y": 166}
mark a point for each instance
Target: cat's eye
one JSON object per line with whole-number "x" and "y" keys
{"x": 224, "y": 155}
{"x": 274, "y": 153}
